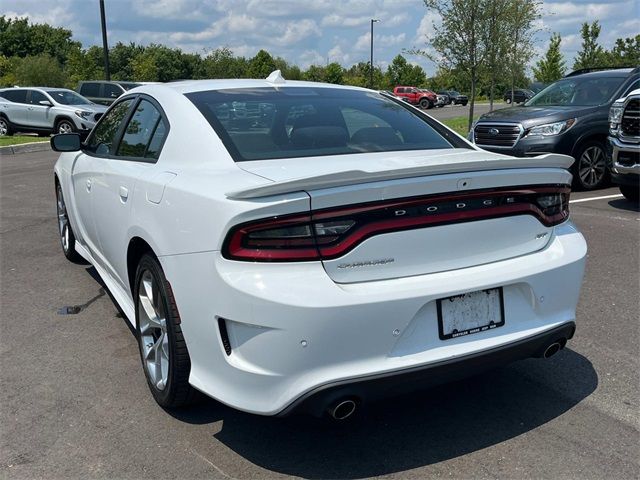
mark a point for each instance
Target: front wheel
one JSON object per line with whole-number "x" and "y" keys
{"x": 630, "y": 193}
{"x": 590, "y": 168}
{"x": 67, "y": 238}
{"x": 65, "y": 126}
{"x": 508, "y": 100}
{"x": 163, "y": 350}
{"x": 424, "y": 103}
{"x": 5, "y": 128}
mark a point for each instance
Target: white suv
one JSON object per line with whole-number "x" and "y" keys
{"x": 46, "y": 110}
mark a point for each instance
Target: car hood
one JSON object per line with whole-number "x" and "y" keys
{"x": 531, "y": 116}
{"x": 89, "y": 108}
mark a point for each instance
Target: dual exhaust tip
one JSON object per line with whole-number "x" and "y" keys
{"x": 344, "y": 408}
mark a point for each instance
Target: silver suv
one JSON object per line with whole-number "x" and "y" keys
{"x": 624, "y": 144}
{"x": 46, "y": 110}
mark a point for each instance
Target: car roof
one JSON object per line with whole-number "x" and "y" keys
{"x": 191, "y": 86}
{"x": 615, "y": 72}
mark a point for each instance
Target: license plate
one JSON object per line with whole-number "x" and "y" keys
{"x": 469, "y": 313}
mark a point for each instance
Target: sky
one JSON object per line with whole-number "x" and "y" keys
{"x": 303, "y": 32}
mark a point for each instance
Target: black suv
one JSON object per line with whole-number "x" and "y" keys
{"x": 570, "y": 116}
{"x": 104, "y": 92}
{"x": 519, "y": 96}
{"x": 454, "y": 97}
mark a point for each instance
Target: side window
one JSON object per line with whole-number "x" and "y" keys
{"x": 112, "y": 91}
{"x": 90, "y": 89}
{"x": 157, "y": 140}
{"x": 634, "y": 86}
{"x": 358, "y": 120}
{"x": 104, "y": 134}
{"x": 17, "y": 96}
{"x": 37, "y": 97}
{"x": 139, "y": 130}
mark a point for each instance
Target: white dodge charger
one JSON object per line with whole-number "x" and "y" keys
{"x": 291, "y": 246}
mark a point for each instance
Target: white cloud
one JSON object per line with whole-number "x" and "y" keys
{"x": 364, "y": 41}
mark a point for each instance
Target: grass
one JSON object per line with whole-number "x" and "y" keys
{"x": 19, "y": 139}
{"x": 459, "y": 124}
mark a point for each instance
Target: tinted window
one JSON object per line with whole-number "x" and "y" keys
{"x": 112, "y": 91}
{"x": 18, "y": 96}
{"x": 581, "y": 91}
{"x": 157, "y": 140}
{"x": 634, "y": 86}
{"x": 104, "y": 134}
{"x": 265, "y": 123}
{"x": 139, "y": 130}
{"x": 90, "y": 89}
{"x": 68, "y": 97}
{"x": 37, "y": 97}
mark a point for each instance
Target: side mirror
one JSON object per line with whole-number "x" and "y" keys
{"x": 66, "y": 142}
{"x": 46, "y": 103}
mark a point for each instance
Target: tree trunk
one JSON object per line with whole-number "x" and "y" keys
{"x": 491, "y": 92}
{"x": 472, "y": 100}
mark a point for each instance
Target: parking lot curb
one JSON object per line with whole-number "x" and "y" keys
{"x": 25, "y": 148}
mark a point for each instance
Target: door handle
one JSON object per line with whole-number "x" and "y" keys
{"x": 89, "y": 185}
{"x": 124, "y": 193}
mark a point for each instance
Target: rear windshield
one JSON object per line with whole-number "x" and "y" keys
{"x": 288, "y": 122}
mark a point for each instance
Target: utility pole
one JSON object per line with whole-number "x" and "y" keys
{"x": 105, "y": 45}
{"x": 373, "y": 20}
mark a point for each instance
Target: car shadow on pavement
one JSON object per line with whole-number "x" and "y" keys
{"x": 624, "y": 204}
{"x": 400, "y": 434}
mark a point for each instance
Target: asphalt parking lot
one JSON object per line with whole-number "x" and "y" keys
{"x": 74, "y": 402}
{"x": 452, "y": 111}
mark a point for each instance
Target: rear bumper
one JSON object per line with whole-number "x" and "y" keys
{"x": 292, "y": 330}
{"x": 376, "y": 387}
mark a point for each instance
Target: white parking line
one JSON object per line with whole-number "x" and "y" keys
{"x": 578, "y": 200}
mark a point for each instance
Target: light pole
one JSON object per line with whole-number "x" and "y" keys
{"x": 105, "y": 46}
{"x": 373, "y": 20}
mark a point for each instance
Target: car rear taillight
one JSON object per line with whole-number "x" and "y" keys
{"x": 331, "y": 233}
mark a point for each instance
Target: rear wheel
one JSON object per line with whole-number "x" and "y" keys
{"x": 5, "y": 128}
{"x": 65, "y": 126}
{"x": 163, "y": 351}
{"x": 590, "y": 168}
{"x": 424, "y": 103}
{"x": 67, "y": 238}
{"x": 630, "y": 193}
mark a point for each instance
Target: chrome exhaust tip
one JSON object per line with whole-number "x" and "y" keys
{"x": 342, "y": 409}
{"x": 552, "y": 349}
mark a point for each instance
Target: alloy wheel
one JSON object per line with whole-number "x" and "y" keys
{"x": 63, "y": 220}
{"x": 65, "y": 127}
{"x": 154, "y": 341}
{"x": 4, "y": 127}
{"x": 592, "y": 166}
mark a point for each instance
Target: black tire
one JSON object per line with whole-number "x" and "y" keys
{"x": 43, "y": 134}
{"x": 587, "y": 159}
{"x": 65, "y": 126}
{"x": 67, "y": 237}
{"x": 630, "y": 193}
{"x": 177, "y": 392}
{"x": 464, "y": 104}
{"x": 424, "y": 103}
{"x": 5, "y": 127}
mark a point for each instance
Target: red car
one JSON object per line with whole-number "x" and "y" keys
{"x": 416, "y": 96}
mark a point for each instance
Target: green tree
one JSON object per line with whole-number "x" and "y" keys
{"x": 521, "y": 17}
{"x": 401, "y": 72}
{"x": 625, "y": 53}
{"x": 261, "y": 65}
{"x": 591, "y": 53}
{"x": 42, "y": 70}
{"x": 315, "y": 73}
{"x": 497, "y": 42}
{"x": 144, "y": 67}
{"x": 221, "y": 63}
{"x": 81, "y": 65}
{"x": 19, "y": 38}
{"x": 552, "y": 66}
{"x": 334, "y": 73}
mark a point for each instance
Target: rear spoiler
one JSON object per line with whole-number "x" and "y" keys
{"x": 354, "y": 177}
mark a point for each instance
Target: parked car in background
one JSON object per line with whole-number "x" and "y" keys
{"x": 624, "y": 144}
{"x": 455, "y": 97}
{"x": 517, "y": 96}
{"x": 441, "y": 100}
{"x": 46, "y": 110}
{"x": 104, "y": 92}
{"x": 415, "y": 96}
{"x": 350, "y": 248}
{"x": 570, "y": 116}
